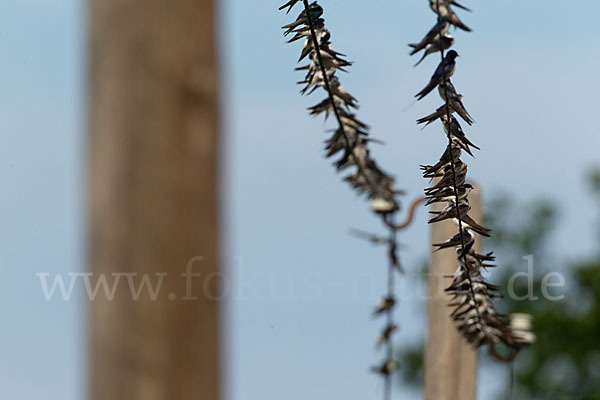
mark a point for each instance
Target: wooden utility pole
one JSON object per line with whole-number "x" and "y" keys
{"x": 450, "y": 362}
{"x": 154, "y": 199}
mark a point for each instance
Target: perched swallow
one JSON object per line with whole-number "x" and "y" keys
{"x": 451, "y": 152}
{"x": 443, "y": 43}
{"x": 304, "y": 30}
{"x": 470, "y": 223}
{"x": 386, "y": 334}
{"x": 474, "y": 262}
{"x": 323, "y": 38}
{"x": 432, "y": 173}
{"x": 441, "y": 28}
{"x": 451, "y": 211}
{"x": 315, "y": 11}
{"x": 454, "y": 20}
{"x": 449, "y": 95}
{"x": 448, "y": 180}
{"x": 479, "y": 259}
{"x": 443, "y": 9}
{"x": 444, "y": 71}
{"x": 340, "y": 93}
{"x": 386, "y": 369}
{"x": 301, "y": 32}
{"x": 386, "y": 304}
{"x": 437, "y": 114}
{"x": 330, "y": 57}
{"x": 457, "y": 135}
{"x": 477, "y": 284}
{"x": 482, "y": 258}
{"x": 432, "y": 170}
{"x": 447, "y": 194}
{"x": 459, "y": 167}
{"x": 456, "y": 240}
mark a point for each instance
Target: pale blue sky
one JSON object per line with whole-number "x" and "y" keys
{"x": 528, "y": 74}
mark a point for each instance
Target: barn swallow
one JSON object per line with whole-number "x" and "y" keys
{"x": 485, "y": 257}
{"x": 473, "y": 258}
{"x": 449, "y": 95}
{"x": 386, "y": 369}
{"x": 315, "y": 11}
{"x": 432, "y": 173}
{"x": 386, "y": 334}
{"x": 451, "y": 211}
{"x": 323, "y": 38}
{"x": 454, "y": 20}
{"x": 464, "y": 143}
{"x": 304, "y": 30}
{"x": 443, "y": 71}
{"x": 443, "y": 9}
{"x": 431, "y": 170}
{"x": 386, "y": 304}
{"x": 340, "y": 96}
{"x": 470, "y": 223}
{"x": 441, "y": 28}
{"x": 460, "y": 175}
{"x": 454, "y": 130}
{"x": 447, "y": 194}
{"x": 341, "y": 93}
{"x": 459, "y": 167}
{"x": 437, "y": 114}
{"x": 443, "y": 43}
{"x": 456, "y": 240}
{"x": 464, "y": 241}
{"x": 451, "y": 152}
{"x": 463, "y": 283}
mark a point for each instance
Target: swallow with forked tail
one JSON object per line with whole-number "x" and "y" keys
{"x": 451, "y": 153}
{"x": 315, "y": 11}
{"x": 441, "y": 28}
{"x": 459, "y": 239}
{"x": 443, "y": 9}
{"x": 451, "y": 211}
{"x": 457, "y": 135}
{"x": 443, "y": 43}
{"x": 449, "y": 179}
{"x": 459, "y": 168}
{"x": 470, "y": 222}
{"x": 443, "y": 71}
{"x": 447, "y": 194}
{"x": 448, "y": 94}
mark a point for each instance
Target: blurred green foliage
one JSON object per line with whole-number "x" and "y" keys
{"x": 564, "y": 363}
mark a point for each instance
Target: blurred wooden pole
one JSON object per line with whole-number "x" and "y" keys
{"x": 450, "y": 363}
{"x": 154, "y": 197}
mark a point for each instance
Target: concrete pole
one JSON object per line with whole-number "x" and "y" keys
{"x": 153, "y": 199}
{"x": 450, "y": 362}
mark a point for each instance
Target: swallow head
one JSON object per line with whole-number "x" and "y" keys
{"x": 452, "y": 55}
